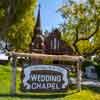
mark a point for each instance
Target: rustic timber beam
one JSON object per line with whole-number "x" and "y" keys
{"x": 14, "y": 55}
{"x": 47, "y": 56}
{"x": 13, "y": 83}
{"x": 79, "y": 75}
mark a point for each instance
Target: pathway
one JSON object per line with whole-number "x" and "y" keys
{"x": 88, "y": 82}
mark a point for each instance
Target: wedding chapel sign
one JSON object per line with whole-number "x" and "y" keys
{"x": 44, "y": 78}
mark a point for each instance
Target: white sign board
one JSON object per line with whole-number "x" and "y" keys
{"x": 44, "y": 77}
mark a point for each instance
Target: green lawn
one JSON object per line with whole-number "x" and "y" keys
{"x": 5, "y": 84}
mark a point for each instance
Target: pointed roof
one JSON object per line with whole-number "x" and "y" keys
{"x": 38, "y": 29}
{"x": 37, "y": 37}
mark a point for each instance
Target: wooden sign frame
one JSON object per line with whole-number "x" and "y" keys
{"x": 47, "y": 78}
{"x": 14, "y": 55}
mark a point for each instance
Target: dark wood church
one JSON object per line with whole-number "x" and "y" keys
{"x": 53, "y": 44}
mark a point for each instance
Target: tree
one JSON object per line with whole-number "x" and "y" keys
{"x": 17, "y": 21}
{"x": 82, "y": 26}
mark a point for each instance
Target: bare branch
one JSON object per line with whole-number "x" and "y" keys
{"x": 86, "y": 38}
{"x": 92, "y": 34}
{"x": 92, "y": 52}
{"x": 75, "y": 42}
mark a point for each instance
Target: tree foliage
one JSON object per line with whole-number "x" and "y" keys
{"x": 82, "y": 26}
{"x": 17, "y": 21}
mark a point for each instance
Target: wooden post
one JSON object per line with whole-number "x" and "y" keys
{"x": 13, "y": 82}
{"x": 79, "y": 76}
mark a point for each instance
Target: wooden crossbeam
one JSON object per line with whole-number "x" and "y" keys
{"x": 47, "y": 56}
{"x": 14, "y": 55}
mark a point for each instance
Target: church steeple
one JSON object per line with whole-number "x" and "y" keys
{"x": 38, "y": 29}
{"x": 38, "y": 38}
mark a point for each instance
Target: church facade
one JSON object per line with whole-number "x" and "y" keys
{"x": 52, "y": 44}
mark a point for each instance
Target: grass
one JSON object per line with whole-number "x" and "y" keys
{"x": 87, "y": 93}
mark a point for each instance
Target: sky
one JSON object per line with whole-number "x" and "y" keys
{"x": 49, "y": 17}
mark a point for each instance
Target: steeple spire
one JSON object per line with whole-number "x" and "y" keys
{"x": 38, "y": 29}
{"x": 38, "y": 38}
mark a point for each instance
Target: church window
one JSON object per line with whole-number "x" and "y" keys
{"x": 55, "y": 43}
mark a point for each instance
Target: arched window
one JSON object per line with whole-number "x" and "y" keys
{"x": 55, "y": 43}
{"x": 58, "y": 44}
